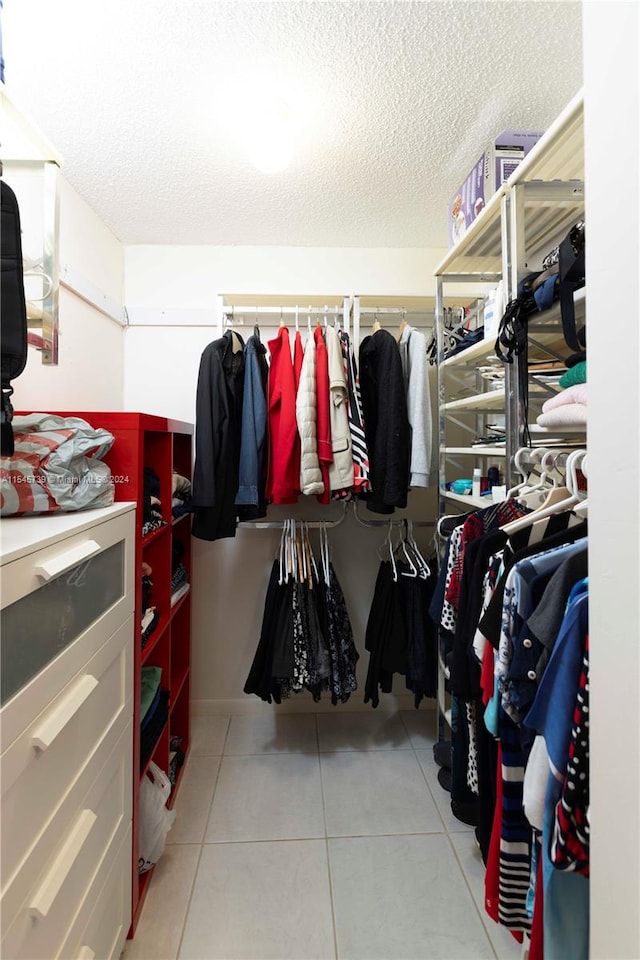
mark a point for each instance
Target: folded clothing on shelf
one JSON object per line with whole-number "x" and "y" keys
{"x": 576, "y": 374}
{"x": 180, "y": 495}
{"x": 155, "y": 720}
{"x": 468, "y": 340}
{"x": 567, "y": 415}
{"x": 151, "y": 506}
{"x": 150, "y": 678}
{"x": 575, "y": 394}
{"x": 176, "y": 757}
{"x": 149, "y": 623}
{"x": 179, "y": 592}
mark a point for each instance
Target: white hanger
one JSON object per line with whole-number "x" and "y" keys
{"x": 402, "y": 544}
{"x": 388, "y": 543}
{"x": 281, "y": 578}
{"x": 534, "y": 454}
{"x": 424, "y": 570}
{"x": 303, "y": 549}
{"x": 325, "y": 555}
{"x": 573, "y": 461}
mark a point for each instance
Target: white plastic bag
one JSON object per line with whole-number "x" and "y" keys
{"x": 155, "y": 819}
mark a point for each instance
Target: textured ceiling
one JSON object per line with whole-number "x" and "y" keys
{"x": 394, "y": 102}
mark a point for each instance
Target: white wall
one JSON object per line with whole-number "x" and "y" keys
{"x": 161, "y": 368}
{"x": 191, "y": 277}
{"x": 611, "y": 47}
{"x": 90, "y": 372}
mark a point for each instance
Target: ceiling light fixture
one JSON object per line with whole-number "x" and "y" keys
{"x": 270, "y": 134}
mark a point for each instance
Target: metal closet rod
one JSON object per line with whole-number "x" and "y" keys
{"x": 320, "y": 311}
{"x": 320, "y": 524}
{"x": 393, "y": 522}
{"x": 279, "y": 524}
{"x": 278, "y": 311}
{"x": 398, "y": 310}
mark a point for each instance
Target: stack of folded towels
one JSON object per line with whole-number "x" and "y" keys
{"x": 566, "y": 409}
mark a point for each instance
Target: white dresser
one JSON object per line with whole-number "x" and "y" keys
{"x": 66, "y": 707}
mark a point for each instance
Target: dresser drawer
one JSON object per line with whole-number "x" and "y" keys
{"x": 41, "y": 904}
{"x": 42, "y": 765}
{"x": 100, "y": 928}
{"x": 59, "y": 604}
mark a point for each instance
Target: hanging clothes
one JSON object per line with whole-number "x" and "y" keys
{"x": 341, "y": 467}
{"x": 323, "y": 423}
{"x": 298, "y": 357}
{"x": 387, "y": 426}
{"x": 219, "y": 396}
{"x": 359, "y": 449}
{"x": 306, "y": 418}
{"x": 283, "y": 476}
{"x": 306, "y": 641}
{"x": 520, "y": 669}
{"x": 413, "y": 353}
{"x": 251, "y": 495}
{"x": 400, "y": 635}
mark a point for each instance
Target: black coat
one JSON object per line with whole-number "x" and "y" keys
{"x": 384, "y": 403}
{"x": 218, "y": 432}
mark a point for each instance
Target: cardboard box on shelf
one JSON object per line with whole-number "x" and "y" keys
{"x": 494, "y": 167}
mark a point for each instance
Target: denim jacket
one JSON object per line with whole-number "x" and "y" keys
{"x": 254, "y": 426}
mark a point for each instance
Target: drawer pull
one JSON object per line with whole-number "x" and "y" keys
{"x": 59, "y": 716}
{"x": 86, "y": 953}
{"x": 61, "y": 866}
{"x": 65, "y": 561}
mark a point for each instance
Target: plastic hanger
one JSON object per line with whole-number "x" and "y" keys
{"x": 536, "y": 455}
{"x": 573, "y": 460}
{"x": 424, "y": 570}
{"x": 402, "y": 546}
{"x": 283, "y": 538}
{"x": 403, "y": 324}
{"x": 388, "y": 545}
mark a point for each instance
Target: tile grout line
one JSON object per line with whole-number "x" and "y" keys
{"x": 424, "y": 776}
{"x": 326, "y": 848}
{"x": 202, "y": 844}
{"x": 468, "y": 886}
{"x": 451, "y": 844}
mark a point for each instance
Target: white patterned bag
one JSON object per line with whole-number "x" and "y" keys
{"x": 57, "y": 465}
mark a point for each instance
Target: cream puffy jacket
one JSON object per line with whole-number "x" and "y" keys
{"x": 341, "y": 470}
{"x": 306, "y": 407}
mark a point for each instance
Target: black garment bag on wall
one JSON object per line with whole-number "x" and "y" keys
{"x": 13, "y": 311}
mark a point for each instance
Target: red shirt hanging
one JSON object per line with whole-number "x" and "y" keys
{"x": 283, "y": 477}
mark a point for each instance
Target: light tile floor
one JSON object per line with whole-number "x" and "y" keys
{"x": 317, "y": 836}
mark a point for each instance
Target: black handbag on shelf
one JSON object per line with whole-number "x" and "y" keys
{"x": 13, "y": 311}
{"x": 571, "y": 278}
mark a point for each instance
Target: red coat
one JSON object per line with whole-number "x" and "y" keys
{"x": 325, "y": 449}
{"x": 283, "y": 477}
{"x": 298, "y": 356}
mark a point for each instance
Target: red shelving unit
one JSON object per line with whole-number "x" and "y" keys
{"x": 164, "y": 445}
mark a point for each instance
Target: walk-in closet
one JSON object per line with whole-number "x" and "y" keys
{"x": 319, "y": 548}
